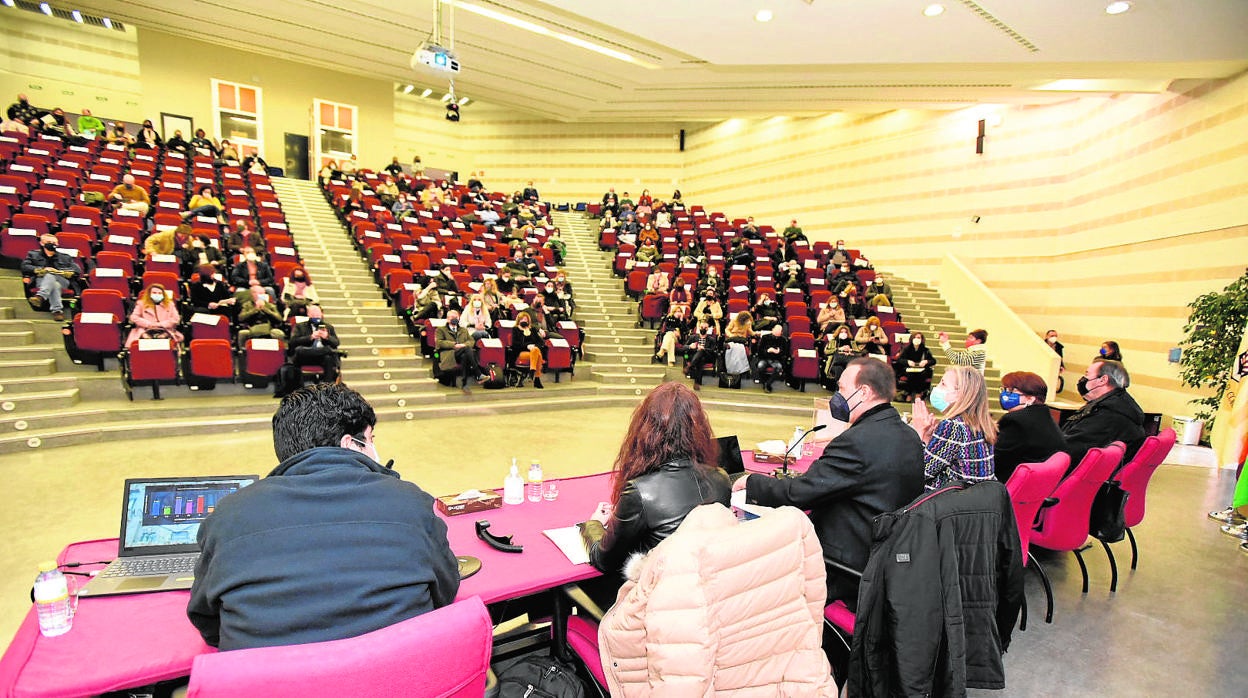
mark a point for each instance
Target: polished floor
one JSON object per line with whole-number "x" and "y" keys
{"x": 1176, "y": 624}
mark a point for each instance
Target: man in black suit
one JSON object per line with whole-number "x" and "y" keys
{"x": 312, "y": 343}
{"x": 530, "y": 193}
{"x": 1110, "y": 413}
{"x": 875, "y": 466}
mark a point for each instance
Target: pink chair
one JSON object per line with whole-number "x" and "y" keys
{"x": 440, "y": 654}
{"x": 1064, "y": 525}
{"x": 1029, "y": 486}
{"x": 1135, "y": 476}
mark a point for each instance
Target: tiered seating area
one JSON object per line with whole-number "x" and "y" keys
{"x": 443, "y": 240}
{"x": 46, "y": 188}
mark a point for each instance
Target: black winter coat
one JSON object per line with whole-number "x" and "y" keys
{"x": 1113, "y": 417}
{"x": 940, "y": 596}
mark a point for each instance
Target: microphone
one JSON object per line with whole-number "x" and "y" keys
{"x": 784, "y": 468}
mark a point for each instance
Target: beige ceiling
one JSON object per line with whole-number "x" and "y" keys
{"x": 710, "y": 60}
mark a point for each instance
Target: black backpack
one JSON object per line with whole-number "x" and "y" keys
{"x": 540, "y": 677}
{"x": 494, "y": 378}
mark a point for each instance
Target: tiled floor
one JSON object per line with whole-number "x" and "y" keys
{"x": 1176, "y": 624}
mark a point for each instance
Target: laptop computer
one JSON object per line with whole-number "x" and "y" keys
{"x": 730, "y": 456}
{"x": 160, "y": 520}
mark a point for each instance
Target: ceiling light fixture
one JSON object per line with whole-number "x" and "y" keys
{"x": 45, "y": 8}
{"x": 1117, "y": 8}
{"x": 107, "y": 22}
{"x": 763, "y": 16}
{"x": 447, "y": 97}
{"x": 9, "y": 3}
{"x": 77, "y": 16}
{"x": 408, "y": 89}
{"x": 544, "y": 31}
{"x": 463, "y": 101}
{"x": 934, "y": 10}
{"x": 428, "y": 91}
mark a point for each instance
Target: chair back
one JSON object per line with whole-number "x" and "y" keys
{"x": 444, "y": 653}
{"x": 1029, "y": 485}
{"x": 1064, "y": 526}
{"x": 1135, "y": 475}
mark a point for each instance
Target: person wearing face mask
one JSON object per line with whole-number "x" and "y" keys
{"x": 428, "y": 302}
{"x": 839, "y": 254}
{"x": 203, "y": 144}
{"x": 528, "y": 345}
{"x": 197, "y": 251}
{"x": 178, "y": 144}
{"x": 251, "y": 271}
{"x": 1026, "y": 433}
{"x": 843, "y": 278}
{"x": 875, "y": 466}
{"x": 767, "y": 313}
{"x": 476, "y": 318}
{"x": 914, "y": 368}
{"x": 960, "y": 446}
{"x": 773, "y": 350}
{"x": 258, "y": 317}
{"x": 336, "y": 535}
{"x": 205, "y": 203}
{"x": 155, "y": 316}
{"x": 49, "y": 272}
{"x": 703, "y": 348}
{"x": 1051, "y": 339}
{"x": 298, "y": 293}
{"x": 830, "y": 316}
{"x": 672, "y": 331}
{"x": 709, "y": 307}
{"x": 1109, "y": 413}
{"x": 210, "y": 295}
{"x": 974, "y": 355}
{"x": 90, "y": 126}
{"x": 1109, "y": 350}
{"x": 555, "y": 243}
{"x": 838, "y": 352}
{"x": 556, "y": 307}
{"x": 871, "y": 337}
{"x": 680, "y": 295}
{"x": 147, "y": 137}
{"x": 851, "y": 301}
{"x": 243, "y": 236}
{"x": 313, "y": 342}
{"x": 456, "y": 353}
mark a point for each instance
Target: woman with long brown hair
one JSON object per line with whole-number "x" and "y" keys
{"x": 666, "y": 467}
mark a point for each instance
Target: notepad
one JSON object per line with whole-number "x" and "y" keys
{"x": 569, "y": 541}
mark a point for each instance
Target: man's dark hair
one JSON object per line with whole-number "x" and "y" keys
{"x": 981, "y": 335}
{"x": 876, "y": 375}
{"x": 319, "y": 415}
{"x": 1117, "y": 373}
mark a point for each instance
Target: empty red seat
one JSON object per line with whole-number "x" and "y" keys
{"x": 211, "y": 359}
{"x": 150, "y": 360}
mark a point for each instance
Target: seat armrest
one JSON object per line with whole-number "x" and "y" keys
{"x": 842, "y": 567}
{"x": 1049, "y": 501}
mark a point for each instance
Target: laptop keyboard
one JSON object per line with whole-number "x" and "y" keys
{"x": 150, "y": 566}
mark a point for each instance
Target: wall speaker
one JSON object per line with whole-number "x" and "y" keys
{"x": 682, "y": 140}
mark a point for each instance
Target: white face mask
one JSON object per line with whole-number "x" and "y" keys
{"x": 916, "y": 342}
{"x": 251, "y": 258}
{"x": 844, "y": 335}
{"x": 158, "y": 297}
{"x": 477, "y": 305}
{"x": 369, "y": 447}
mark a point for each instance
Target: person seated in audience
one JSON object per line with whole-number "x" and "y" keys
{"x": 647, "y": 253}
{"x": 1026, "y": 433}
{"x": 130, "y": 196}
{"x": 851, "y": 301}
{"x": 1109, "y": 413}
{"x": 530, "y": 193}
{"x": 388, "y": 192}
{"x": 508, "y": 289}
{"x": 740, "y": 254}
{"x": 676, "y": 197}
{"x": 394, "y": 169}
{"x": 673, "y": 329}
{"x": 205, "y": 145}
{"x": 456, "y": 352}
{"x": 252, "y": 271}
{"x": 90, "y": 126}
{"x": 488, "y": 215}
{"x": 243, "y": 236}
{"x": 147, "y": 137}
{"x": 608, "y": 221}
{"x": 871, "y": 338}
{"x": 330, "y": 527}
{"x": 665, "y": 468}
{"x": 789, "y": 273}
{"x": 118, "y": 136}
{"x": 205, "y": 203}
{"x": 749, "y": 229}
{"x": 709, "y": 307}
{"x": 773, "y": 351}
{"x": 843, "y": 279}
{"x": 541, "y": 317}
{"x": 517, "y": 266}
{"x": 740, "y": 328}
{"x": 647, "y": 236}
{"x": 155, "y": 316}
{"x": 626, "y": 201}
{"x": 645, "y": 204}
{"x": 428, "y": 302}
{"x": 402, "y": 206}
{"x": 532, "y": 269}
{"x": 313, "y": 342}
{"x": 767, "y": 313}
{"x": 22, "y": 110}
{"x": 50, "y": 272}
{"x": 610, "y": 202}
{"x": 662, "y": 216}
{"x": 701, "y": 349}
{"x": 258, "y": 316}
{"x": 229, "y": 153}
{"x": 527, "y": 215}
{"x": 178, "y": 143}
{"x": 692, "y": 253}
{"x": 208, "y": 294}
{"x": 253, "y": 164}
{"x": 960, "y": 446}
{"x": 830, "y": 316}
{"x": 839, "y": 257}
{"x": 712, "y": 281}
{"x": 1109, "y": 350}
{"x": 164, "y": 242}
{"x": 563, "y": 289}
{"x": 349, "y": 166}
{"x": 447, "y": 286}
{"x": 873, "y": 467}
{"x": 839, "y": 351}
{"x": 56, "y": 124}
{"x": 298, "y": 293}
{"x": 879, "y": 286}
{"x": 556, "y": 307}
{"x": 476, "y": 318}
{"x": 8, "y": 125}
{"x": 628, "y": 227}
{"x": 793, "y": 233}
{"x": 556, "y": 244}
{"x": 914, "y": 368}
{"x": 528, "y": 345}
{"x": 680, "y": 295}
{"x": 657, "y": 282}
{"x": 975, "y": 354}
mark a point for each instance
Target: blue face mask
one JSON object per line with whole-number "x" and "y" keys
{"x": 1104, "y": 351}
{"x": 939, "y": 400}
{"x": 838, "y": 405}
{"x": 1010, "y": 400}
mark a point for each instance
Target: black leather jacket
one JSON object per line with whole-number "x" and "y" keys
{"x": 651, "y": 508}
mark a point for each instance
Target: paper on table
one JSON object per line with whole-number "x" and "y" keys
{"x": 569, "y": 541}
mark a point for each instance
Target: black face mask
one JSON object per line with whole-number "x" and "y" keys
{"x": 50, "y": 247}
{"x": 1082, "y": 386}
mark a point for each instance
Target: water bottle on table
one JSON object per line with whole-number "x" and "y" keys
{"x": 56, "y": 613}
{"x": 534, "y": 490}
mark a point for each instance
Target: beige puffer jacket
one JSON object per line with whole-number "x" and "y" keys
{"x": 722, "y": 607}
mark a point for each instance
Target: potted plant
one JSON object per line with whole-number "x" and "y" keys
{"x": 1213, "y": 332}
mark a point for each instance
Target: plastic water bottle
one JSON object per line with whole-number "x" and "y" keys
{"x": 513, "y": 485}
{"x": 535, "y": 482}
{"x": 797, "y": 436}
{"x": 52, "y": 601}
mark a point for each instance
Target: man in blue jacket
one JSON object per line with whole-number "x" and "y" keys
{"x": 332, "y": 544}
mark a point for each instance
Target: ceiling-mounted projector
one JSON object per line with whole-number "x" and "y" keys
{"x": 431, "y": 55}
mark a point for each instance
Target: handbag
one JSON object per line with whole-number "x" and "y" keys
{"x": 1108, "y": 521}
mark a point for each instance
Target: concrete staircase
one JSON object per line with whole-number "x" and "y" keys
{"x": 923, "y": 310}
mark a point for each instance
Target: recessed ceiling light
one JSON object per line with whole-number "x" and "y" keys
{"x": 763, "y": 16}
{"x": 447, "y": 97}
{"x": 428, "y": 91}
{"x": 107, "y": 22}
{"x": 463, "y": 101}
{"x": 9, "y": 3}
{"x": 1117, "y": 8}
{"x": 46, "y": 8}
{"x": 77, "y": 16}
{"x": 934, "y": 10}
{"x": 408, "y": 90}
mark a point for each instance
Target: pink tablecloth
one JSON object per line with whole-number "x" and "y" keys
{"x": 798, "y": 466}
{"x": 126, "y": 641}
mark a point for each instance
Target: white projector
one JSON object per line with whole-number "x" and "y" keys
{"x": 435, "y": 57}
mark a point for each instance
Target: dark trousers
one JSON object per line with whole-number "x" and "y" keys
{"x": 466, "y": 357}
{"x": 700, "y": 358}
{"x": 768, "y": 377}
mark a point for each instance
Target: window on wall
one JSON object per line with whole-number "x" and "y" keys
{"x": 334, "y": 126}
{"x": 237, "y": 112}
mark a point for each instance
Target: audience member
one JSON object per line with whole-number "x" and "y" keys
{"x": 229, "y": 153}
{"x": 1109, "y": 350}
{"x": 89, "y": 126}
{"x": 118, "y": 136}
{"x": 476, "y": 317}
{"x": 333, "y": 533}
{"x": 851, "y": 301}
{"x": 528, "y": 344}
{"x": 874, "y": 467}
{"x": 455, "y": 344}
{"x": 56, "y": 124}
{"x": 164, "y": 242}
{"x": 610, "y": 202}
{"x": 975, "y": 354}
{"x": 839, "y": 352}
{"x": 530, "y": 193}
{"x": 258, "y": 317}
{"x": 208, "y": 294}
{"x": 657, "y": 282}
{"x": 298, "y": 293}
{"x": 1109, "y": 414}
{"x": 178, "y": 144}
{"x": 672, "y": 331}
{"x": 155, "y": 316}
{"x": 51, "y": 273}
{"x": 843, "y": 279}
{"x": 830, "y": 316}
{"x": 1026, "y": 433}
{"x": 914, "y": 368}
{"x": 871, "y": 338}
{"x": 1059, "y": 348}
{"x": 205, "y": 145}
{"x": 252, "y": 271}
{"x": 130, "y": 196}
{"x": 557, "y": 245}
{"x": 313, "y": 342}
{"x": 840, "y": 256}
{"x": 960, "y": 446}
{"x": 394, "y": 168}
{"x": 244, "y": 236}
{"x": 880, "y": 287}
{"x": 773, "y": 350}
{"x": 22, "y": 110}
{"x": 793, "y": 232}
{"x": 680, "y": 295}
{"x": 147, "y": 137}
{"x": 702, "y": 349}
{"x": 197, "y": 251}
{"x": 767, "y": 313}
{"x": 709, "y": 307}
{"x": 428, "y": 302}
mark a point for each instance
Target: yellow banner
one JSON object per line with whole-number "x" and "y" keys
{"x": 1230, "y": 434}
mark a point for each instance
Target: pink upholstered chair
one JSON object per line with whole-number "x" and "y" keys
{"x": 1135, "y": 476}
{"x": 442, "y": 654}
{"x": 1029, "y": 486}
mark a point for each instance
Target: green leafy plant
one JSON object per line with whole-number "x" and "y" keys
{"x": 1214, "y": 330}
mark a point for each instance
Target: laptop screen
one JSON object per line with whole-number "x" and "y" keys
{"x": 730, "y": 455}
{"x": 163, "y": 515}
